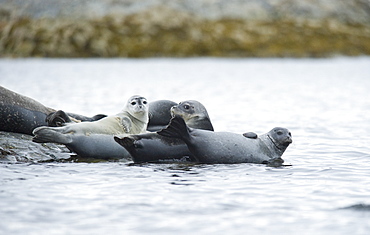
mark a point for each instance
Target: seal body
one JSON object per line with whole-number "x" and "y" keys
{"x": 21, "y": 114}
{"x": 159, "y": 114}
{"x": 133, "y": 119}
{"x": 99, "y": 146}
{"x": 151, "y": 147}
{"x": 228, "y": 148}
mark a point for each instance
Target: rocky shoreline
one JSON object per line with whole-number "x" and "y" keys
{"x": 184, "y": 28}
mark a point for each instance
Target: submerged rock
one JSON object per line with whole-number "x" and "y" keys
{"x": 16, "y": 147}
{"x": 148, "y": 28}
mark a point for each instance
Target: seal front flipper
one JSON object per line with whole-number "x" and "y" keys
{"x": 177, "y": 129}
{"x": 250, "y": 135}
{"x": 49, "y": 135}
{"x": 126, "y": 123}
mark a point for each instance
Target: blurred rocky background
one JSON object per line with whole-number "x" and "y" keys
{"x": 180, "y": 28}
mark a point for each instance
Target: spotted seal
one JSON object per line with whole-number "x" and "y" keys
{"x": 21, "y": 114}
{"x": 133, "y": 119}
{"x": 226, "y": 147}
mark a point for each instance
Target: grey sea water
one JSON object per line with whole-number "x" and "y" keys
{"x": 325, "y": 103}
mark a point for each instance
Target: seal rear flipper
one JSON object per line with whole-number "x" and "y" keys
{"x": 58, "y": 118}
{"x": 98, "y": 117}
{"x": 176, "y": 129}
{"x": 48, "y": 135}
{"x": 128, "y": 143}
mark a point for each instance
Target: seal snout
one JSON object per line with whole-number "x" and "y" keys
{"x": 173, "y": 110}
{"x": 288, "y": 140}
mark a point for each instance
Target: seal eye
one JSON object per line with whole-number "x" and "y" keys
{"x": 133, "y": 103}
{"x": 144, "y": 102}
{"x": 186, "y": 106}
{"x": 279, "y": 132}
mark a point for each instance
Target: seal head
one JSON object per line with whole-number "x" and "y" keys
{"x": 194, "y": 114}
{"x": 281, "y": 138}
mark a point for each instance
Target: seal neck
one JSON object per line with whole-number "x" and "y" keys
{"x": 279, "y": 149}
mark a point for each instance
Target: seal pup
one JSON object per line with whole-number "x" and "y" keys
{"x": 159, "y": 114}
{"x": 21, "y": 114}
{"x": 227, "y": 147}
{"x": 95, "y": 140}
{"x": 151, "y": 147}
{"x": 133, "y": 119}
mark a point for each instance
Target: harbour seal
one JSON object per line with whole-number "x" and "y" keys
{"x": 194, "y": 114}
{"x": 159, "y": 114}
{"x": 151, "y": 147}
{"x": 21, "y": 114}
{"x": 133, "y": 119}
{"x": 97, "y": 146}
{"x": 95, "y": 140}
{"x": 227, "y": 147}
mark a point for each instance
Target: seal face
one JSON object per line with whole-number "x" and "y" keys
{"x": 280, "y": 137}
{"x": 226, "y": 147}
{"x": 151, "y": 147}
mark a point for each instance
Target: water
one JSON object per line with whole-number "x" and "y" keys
{"x": 325, "y": 103}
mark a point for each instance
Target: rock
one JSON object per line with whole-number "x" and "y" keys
{"x": 16, "y": 147}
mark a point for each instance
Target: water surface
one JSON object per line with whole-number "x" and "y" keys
{"x": 325, "y": 103}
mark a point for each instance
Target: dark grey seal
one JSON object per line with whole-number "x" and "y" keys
{"x": 21, "y": 114}
{"x": 159, "y": 114}
{"x": 227, "y": 148}
{"x": 151, "y": 147}
{"x": 97, "y": 146}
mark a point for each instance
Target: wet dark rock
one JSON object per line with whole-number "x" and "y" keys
{"x": 16, "y": 147}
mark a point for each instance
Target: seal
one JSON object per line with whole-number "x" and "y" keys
{"x": 95, "y": 139}
{"x": 21, "y": 114}
{"x": 228, "y": 148}
{"x": 97, "y": 146}
{"x": 159, "y": 114}
{"x": 133, "y": 119}
{"x": 151, "y": 147}
{"x": 194, "y": 114}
